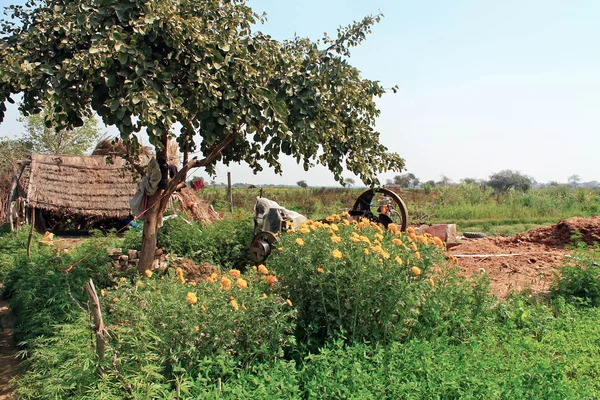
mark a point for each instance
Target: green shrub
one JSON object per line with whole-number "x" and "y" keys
{"x": 39, "y": 290}
{"x": 13, "y": 244}
{"x": 579, "y": 279}
{"x": 354, "y": 279}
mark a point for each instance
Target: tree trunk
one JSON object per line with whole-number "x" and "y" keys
{"x": 149, "y": 234}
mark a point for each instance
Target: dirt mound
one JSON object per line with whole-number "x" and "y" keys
{"x": 195, "y": 272}
{"x": 562, "y": 233}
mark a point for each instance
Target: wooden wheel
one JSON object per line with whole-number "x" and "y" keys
{"x": 382, "y": 206}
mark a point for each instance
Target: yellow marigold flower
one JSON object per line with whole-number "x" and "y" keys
{"x": 418, "y": 255}
{"x": 116, "y": 299}
{"x": 196, "y": 328}
{"x": 314, "y": 227}
{"x": 226, "y": 283}
{"x": 431, "y": 282}
{"x": 333, "y": 218}
{"x": 385, "y": 255}
{"x": 408, "y": 261}
{"x": 438, "y": 242}
{"x": 365, "y": 239}
{"x": 412, "y": 236}
{"x": 234, "y": 273}
{"x": 346, "y": 222}
{"x": 191, "y": 298}
{"x": 122, "y": 279}
{"x": 320, "y": 270}
{"x": 397, "y": 241}
{"x": 366, "y": 251}
{"x": 399, "y": 260}
{"x": 378, "y": 236}
{"x": 241, "y": 283}
{"x": 280, "y": 248}
{"x": 354, "y": 239}
{"x": 203, "y": 308}
{"x": 376, "y": 242}
{"x": 377, "y": 249}
{"x": 244, "y": 307}
{"x": 289, "y": 302}
{"x": 299, "y": 242}
{"x": 410, "y": 229}
{"x": 304, "y": 230}
{"x": 139, "y": 283}
{"x": 336, "y": 239}
{"x": 148, "y": 273}
{"x": 334, "y": 227}
{"x": 262, "y": 269}
{"x": 212, "y": 278}
{"x": 414, "y": 246}
{"x": 416, "y": 271}
{"x": 235, "y": 305}
{"x": 179, "y": 273}
{"x": 345, "y": 214}
{"x": 193, "y": 283}
{"x": 337, "y": 254}
{"x": 393, "y": 228}
{"x": 102, "y": 292}
{"x": 264, "y": 295}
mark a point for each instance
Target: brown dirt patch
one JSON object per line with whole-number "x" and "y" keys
{"x": 526, "y": 261}
{"x": 195, "y": 272}
{"x": 8, "y": 351}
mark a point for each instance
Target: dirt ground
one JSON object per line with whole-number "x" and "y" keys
{"x": 526, "y": 261}
{"x": 8, "y": 350}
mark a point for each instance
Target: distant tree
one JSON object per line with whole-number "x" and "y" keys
{"x": 430, "y": 183}
{"x": 504, "y": 180}
{"x": 444, "y": 181}
{"x": 11, "y": 151}
{"x": 469, "y": 181}
{"x": 408, "y": 180}
{"x": 574, "y": 180}
{"x": 41, "y": 133}
{"x": 302, "y": 184}
{"x": 349, "y": 182}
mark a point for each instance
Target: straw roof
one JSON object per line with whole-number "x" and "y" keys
{"x": 80, "y": 185}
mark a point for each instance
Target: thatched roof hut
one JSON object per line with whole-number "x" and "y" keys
{"x": 80, "y": 185}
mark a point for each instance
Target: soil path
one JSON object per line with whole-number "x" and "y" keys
{"x": 8, "y": 350}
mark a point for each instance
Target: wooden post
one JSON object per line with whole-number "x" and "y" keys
{"x": 13, "y": 189}
{"x": 32, "y": 221}
{"x": 98, "y": 327}
{"x": 230, "y": 191}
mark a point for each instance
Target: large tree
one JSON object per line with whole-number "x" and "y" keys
{"x": 238, "y": 95}
{"x": 45, "y": 139}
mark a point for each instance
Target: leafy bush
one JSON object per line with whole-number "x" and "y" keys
{"x": 11, "y": 245}
{"x": 579, "y": 279}
{"x": 355, "y": 279}
{"x": 39, "y": 290}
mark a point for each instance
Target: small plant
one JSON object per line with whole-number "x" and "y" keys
{"x": 579, "y": 279}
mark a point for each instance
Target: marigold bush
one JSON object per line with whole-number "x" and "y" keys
{"x": 355, "y": 278}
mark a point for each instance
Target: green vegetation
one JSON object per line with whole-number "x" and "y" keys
{"x": 311, "y": 323}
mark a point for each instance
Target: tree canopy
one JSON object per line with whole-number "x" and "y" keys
{"x": 44, "y": 139}
{"x": 507, "y": 179}
{"x": 238, "y": 95}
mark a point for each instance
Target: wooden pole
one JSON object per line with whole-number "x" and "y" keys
{"x": 98, "y": 327}
{"x": 13, "y": 189}
{"x": 230, "y": 191}
{"x": 32, "y": 222}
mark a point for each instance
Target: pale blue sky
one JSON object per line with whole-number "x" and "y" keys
{"x": 484, "y": 85}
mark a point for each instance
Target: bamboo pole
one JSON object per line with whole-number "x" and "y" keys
{"x": 32, "y": 222}
{"x": 230, "y": 191}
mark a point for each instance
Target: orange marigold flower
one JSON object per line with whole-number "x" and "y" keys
{"x": 235, "y": 305}
{"x": 366, "y": 251}
{"x": 179, "y": 273}
{"x": 385, "y": 255}
{"x": 289, "y": 302}
{"x": 196, "y": 328}
{"x": 264, "y": 295}
{"x": 336, "y": 239}
{"x": 122, "y": 279}
{"x": 345, "y": 222}
{"x": 299, "y": 242}
{"x": 262, "y": 269}
{"x": 203, "y": 308}
{"x": 102, "y": 292}
{"x": 320, "y": 270}
{"x": 410, "y": 230}
{"x": 271, "y": 279}
{"x": 378, "y": 236}
{"x": 416, "y": 271}
{"x": 244, "y": 307}
{"x": 234, "y": 273}
{"x": 414, "y": 246}
{"x": 397, "y": 241}
{"x": 304, "y": 230}
{"x": 193, "y": 283}
{"x": 337, "y": 254}
{"x": 116, "y": 299}
{"x": 139, "y": 283}
{"x": 212, "y": 278}
{"x": 431, "y": 282}
{"x": 399, "y": 260}
{"x": 365, "y": 239}
{"x": 438, "y": 242}
{"x": 418, "y": 255}
{"x": 241, "y": 283}
{"x": 191, "y": 298}
{"x": 354, "y": 239}
{"x": 148, "y": 273}
{"x": 226, "y": 283}
{"x": 280, "y": 248}
{"x": 345, "y": 214}
{"x": 393, "y": 228}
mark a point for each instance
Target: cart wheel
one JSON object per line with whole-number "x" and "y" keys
{"x": 261, "y": 246}
{"x": 383, "y": 206}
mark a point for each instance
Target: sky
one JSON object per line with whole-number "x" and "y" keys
{"x": 483, "y": 85}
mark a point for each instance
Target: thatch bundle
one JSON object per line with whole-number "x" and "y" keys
{"x": 196, "y": 207}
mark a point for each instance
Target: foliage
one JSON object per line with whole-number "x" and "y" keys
{"x": 407, "y": 180}
{"x": 11, "y": 151}
{"x": 39, "y": 290}
{"x": 152, "y": 64}
{"x": 302, "y": 184}
{"x": 39, "y": 131}
{"x": 504, "y": 180}
{"x": 579, "y": 279}
{"x": 12, "y": 245}
{"x": 225, "y": 243}
{"x": 354, "y": 279}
